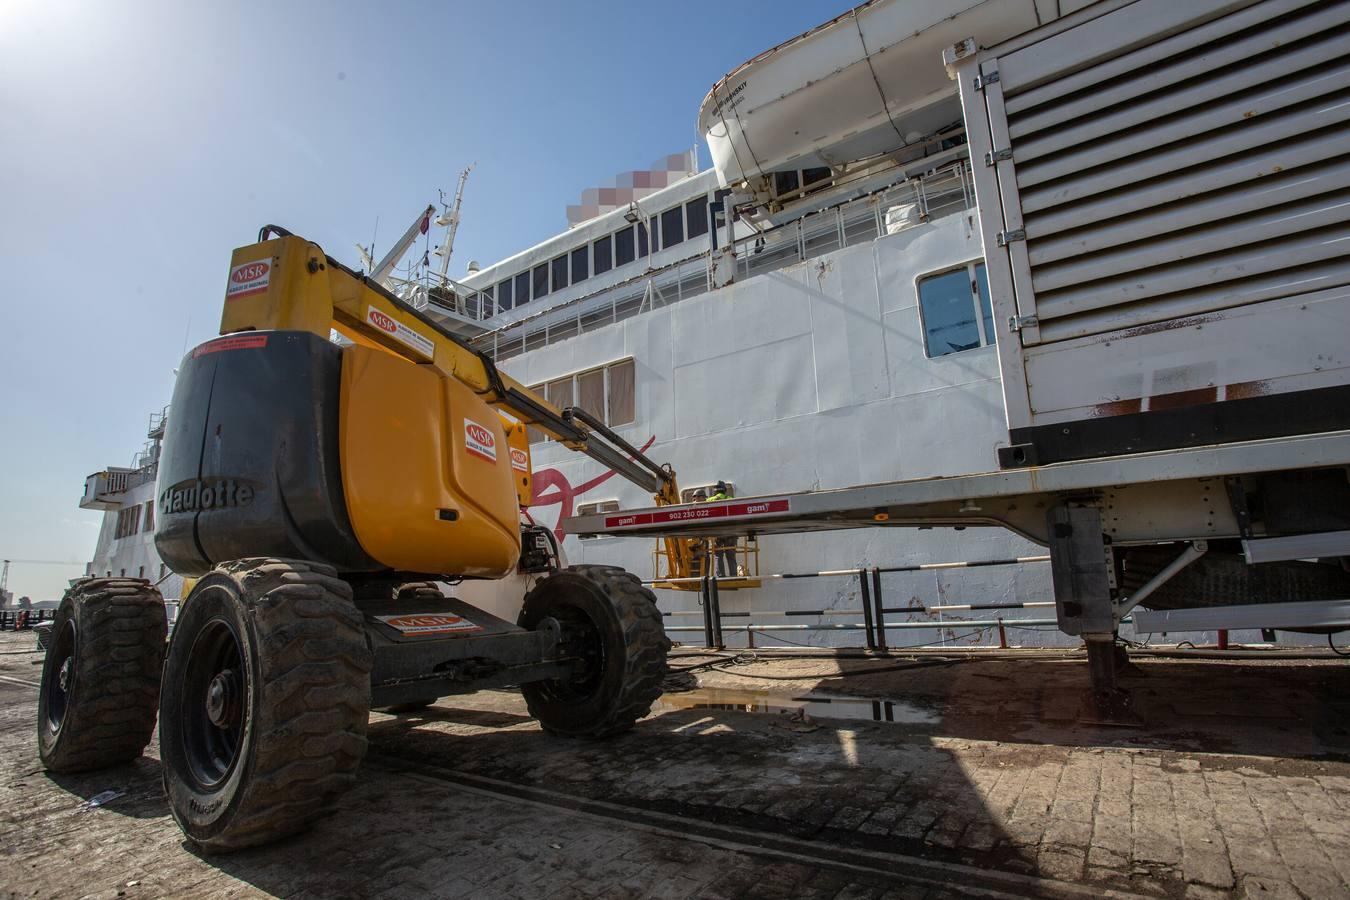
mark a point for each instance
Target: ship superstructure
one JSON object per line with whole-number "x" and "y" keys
{"x": 126, "y": 496}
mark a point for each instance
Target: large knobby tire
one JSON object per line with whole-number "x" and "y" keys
{"x": 266, "y": 700}
{"x": 100, "y": 678}
{"x": 611, "y": 620}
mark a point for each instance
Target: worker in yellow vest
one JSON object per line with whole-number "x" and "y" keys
{"x": 724, "y": 548}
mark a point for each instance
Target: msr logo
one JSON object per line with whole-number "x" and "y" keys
{"x": 480, "y": 441}
{"x": 520, "y": 460}
{"x": 383, "y": 322}
{"x": 250, "y": 272}
{"x": 248, "y": 278}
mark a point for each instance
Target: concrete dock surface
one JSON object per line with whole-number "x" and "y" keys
{"x": 768, "y": 775}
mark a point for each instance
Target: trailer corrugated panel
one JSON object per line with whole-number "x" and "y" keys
{"x": 1165, "y": 203}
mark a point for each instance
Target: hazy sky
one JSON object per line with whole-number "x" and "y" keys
{"x": 140, "y": 142}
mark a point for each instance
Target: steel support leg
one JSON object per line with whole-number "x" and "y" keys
{"x": 1078, "y": 567}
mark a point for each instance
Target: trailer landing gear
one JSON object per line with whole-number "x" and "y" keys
{"x": 1078, "y": 567}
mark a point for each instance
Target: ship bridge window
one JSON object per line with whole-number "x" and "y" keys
{"x": 602, "y": 255}
{"x": 672, "y": 227}
{"x": 522, "y": 288}
{"x": 580, "y": 264}
{"x": 955, "y": 310}
{"x": 149, "y": 516}
{"x": 504, "y": 295}
{"x": 623, "y": 247}
{"x": 642, "y": 238}
{"x": 606, "y": 392}
{"x": 540, "y": 281}
{"x": 785, "y": 182}
{"x": 560, "y": 272}
{"x": 696, "y": 211}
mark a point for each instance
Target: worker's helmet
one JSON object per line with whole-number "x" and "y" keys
{"x": 721, "y": 486}
{"x": 700, "y": 494}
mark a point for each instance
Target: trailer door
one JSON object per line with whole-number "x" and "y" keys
{"x": 1164, "y": 196}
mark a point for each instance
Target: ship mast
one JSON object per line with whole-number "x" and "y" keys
{"x": 450, "y": 221}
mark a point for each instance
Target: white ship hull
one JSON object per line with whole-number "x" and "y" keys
{"x": 811, "y": 376}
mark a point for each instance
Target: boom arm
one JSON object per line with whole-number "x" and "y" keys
{"x": 286, "y": 282}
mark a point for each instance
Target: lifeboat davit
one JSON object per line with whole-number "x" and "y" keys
{"x": 864, "y": 84}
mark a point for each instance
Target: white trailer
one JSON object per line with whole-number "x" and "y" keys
{"x": 1163, "y": 193}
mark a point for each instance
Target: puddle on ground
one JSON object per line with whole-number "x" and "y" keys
{"x": 815, "y": 704}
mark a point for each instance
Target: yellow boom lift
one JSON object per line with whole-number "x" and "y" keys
{"x": 318, "y": 490}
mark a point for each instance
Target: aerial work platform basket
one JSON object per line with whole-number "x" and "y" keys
{"x": 699, "y": 556}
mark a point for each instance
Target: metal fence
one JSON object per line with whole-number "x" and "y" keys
{"x": 873, "y": 611}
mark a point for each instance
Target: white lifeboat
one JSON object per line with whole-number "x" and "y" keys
{"x": 866, "y": 83}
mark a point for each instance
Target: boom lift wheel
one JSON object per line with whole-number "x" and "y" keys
{"x": 611, "y": 622}
{"x": 266, "y": 697}
{"x": 100, "y": 678}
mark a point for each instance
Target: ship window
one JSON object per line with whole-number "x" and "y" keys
{"x": 128, "y": 522}
{"x": 580, "y": 264}
{"x": 672, "y": 227}
{"x": 811, "y": 176}
{"x": 621, "y": 394}
{"x": 696, "y": 211}
{"x": 623, "y": 247}
{"x": 954, "y": 307}
{"x": 785, "y": 182}
{"x": 606, "y": 392}
{"x": 986, "y": 313}
{"x": 602, "y": 257}
{"x": 642, "y": 238}
{"x": 148, "y": 516}
{"x": 560, "y": 272}
{"x": 591, "y": 392}
{"x": 522, "y": 288}
{"x": 484, "y": 299}
{"x": 560, "y": 392}
{"x": 540, "y": 281}
{"x": 532, "y": 434}
{"x": 504, "y": 294}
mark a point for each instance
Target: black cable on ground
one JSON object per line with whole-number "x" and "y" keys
{"x": 1332, "y": 645}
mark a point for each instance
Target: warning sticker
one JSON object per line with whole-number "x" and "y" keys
{"x": 430, "y": 623}
{"x": 400, "y": 332}
{"x": 520, "y": 461}
{"x": 248, "y": 278}
{"x": 243, "y": 342}
{"x": 480, "y": 441}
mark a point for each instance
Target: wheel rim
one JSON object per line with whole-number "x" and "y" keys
{"x": 213, "y": 704}
{"x": 581, "y": 639}
{"x": 60, "y": 676}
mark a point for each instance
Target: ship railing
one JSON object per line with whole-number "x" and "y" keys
{"x": 845, "y": 224}
{"x": 118, "y": 482}
{"x": 451, "y": 297}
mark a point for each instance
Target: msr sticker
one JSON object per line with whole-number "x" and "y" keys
{"x": 480, "y": 441}
{"x": 519, "y": 460}
{"x": 430, "y": 623}
{"x": 400, "y": 332}
{"x": 248, "y": 278}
